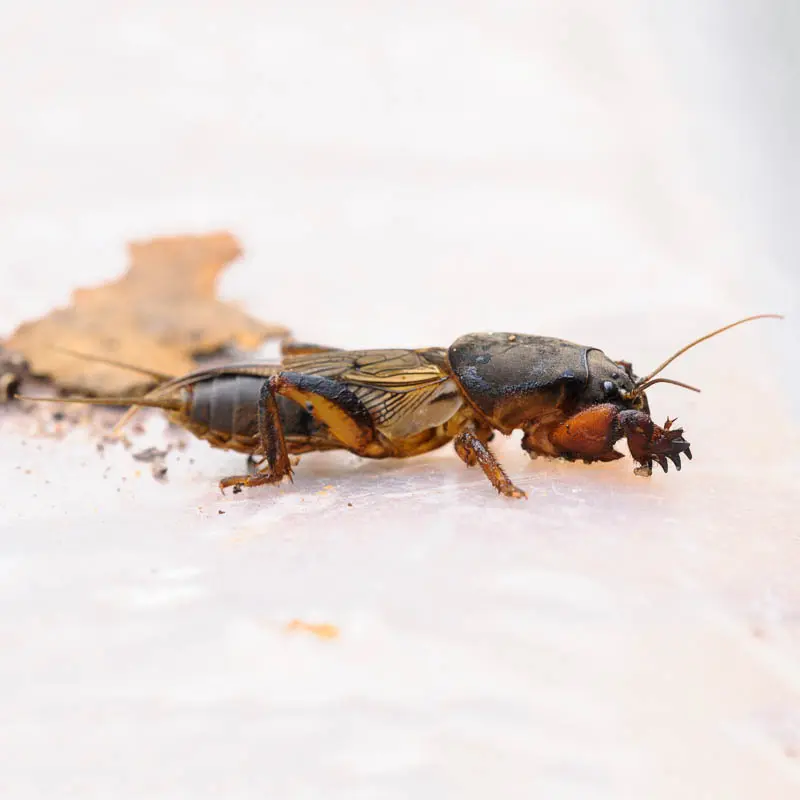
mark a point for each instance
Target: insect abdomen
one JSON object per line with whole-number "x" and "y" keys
{"x": 224, "y": 410}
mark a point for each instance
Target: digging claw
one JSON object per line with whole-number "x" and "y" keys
{"x": 648, "y": 442}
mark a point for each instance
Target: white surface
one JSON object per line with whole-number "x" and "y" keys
{"x": 400, "y": 174}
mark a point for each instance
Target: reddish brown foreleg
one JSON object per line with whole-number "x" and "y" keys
{"x": 648, "y": 442}
{"x": 590, "y": 435}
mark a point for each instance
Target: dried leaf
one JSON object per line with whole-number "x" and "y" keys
{"x": 158, "y": 315}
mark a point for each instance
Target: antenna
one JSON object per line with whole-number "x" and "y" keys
{"x": 643, "y": 383}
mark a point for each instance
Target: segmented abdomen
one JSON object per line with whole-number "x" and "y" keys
{"x": 224, "y": 410}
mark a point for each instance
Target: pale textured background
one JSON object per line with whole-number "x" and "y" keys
{"x": 401, "y": 173}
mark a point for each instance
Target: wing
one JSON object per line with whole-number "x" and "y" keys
{"x": 400, "y": 370}
{"x": 261, "y": 369}
{"x": 404, "y": 390}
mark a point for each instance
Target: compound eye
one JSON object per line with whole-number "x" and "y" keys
{"x": 609, "y": 388}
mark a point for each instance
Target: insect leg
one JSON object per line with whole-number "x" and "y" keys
{"x": 275, "y": 465}
{"x": 591, "y": 434}
{"x": 329, "y": 401}
{"x": 333, "y": 404}
{"x": 472, "y": 451}
{"x": 649, "y": 442}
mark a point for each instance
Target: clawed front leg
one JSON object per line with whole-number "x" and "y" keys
{"x": 473, "y": 451}
{"x": 590, "y": 435}
{"x": 648, "y": 442}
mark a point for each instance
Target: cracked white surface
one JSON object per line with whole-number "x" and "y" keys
{"x": 400, "y": 175}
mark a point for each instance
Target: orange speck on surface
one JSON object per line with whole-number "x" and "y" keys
{"x": 323, "y": 630}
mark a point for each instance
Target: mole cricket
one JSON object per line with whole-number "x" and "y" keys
{"x": 571, "y": 402}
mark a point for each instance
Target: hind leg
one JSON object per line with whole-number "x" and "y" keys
{"x": 343, "y": 414}
{"x": 275, "y": 465}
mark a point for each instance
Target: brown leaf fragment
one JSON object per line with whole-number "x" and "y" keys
{"x": 158, "y": 315}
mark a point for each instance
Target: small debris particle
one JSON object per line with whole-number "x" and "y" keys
{"x": 154, "y": 457}
{"x": 59, "y": 416}
{"x": 349, "y": 505}
{"x": 13, "y": 368}
{"x": 237, "y": 489}
{"x": 159, "y": 472}
{"x": 150, "y": 454}
{"x": 323, "y": 630}
{"x": 220, "y": 511}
